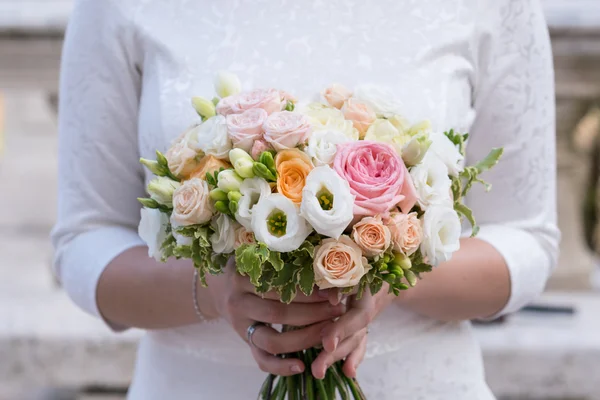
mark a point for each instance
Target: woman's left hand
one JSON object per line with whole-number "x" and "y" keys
{"x": 346, "y": 338}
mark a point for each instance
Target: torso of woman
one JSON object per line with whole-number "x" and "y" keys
{"x": 432, "y": 54}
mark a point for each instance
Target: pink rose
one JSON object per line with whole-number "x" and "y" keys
{"x": 245, "y": 128}
{"x": 267, "y": 99}
{"x": 361, "y": 115}
{"x": 258, "y": 148}
{"x": 376, "y": 175}
{"x": 336, "y": 95}
{"x": 224, "y": 107}
{"x": 285, "y": 130}
{"x": 243, "y": 236}
{"x": 372, "y": 236}
{"x": 406, "y": 230}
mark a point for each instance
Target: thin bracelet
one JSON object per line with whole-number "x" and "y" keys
{"x": 195, "y": 294}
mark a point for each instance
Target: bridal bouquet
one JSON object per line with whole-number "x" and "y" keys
{"x": 342, "y": 193}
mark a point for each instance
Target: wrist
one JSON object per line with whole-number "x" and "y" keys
{"x": 205, "y": 302}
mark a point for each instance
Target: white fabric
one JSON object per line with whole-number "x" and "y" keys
{"x": 130, "y": 68}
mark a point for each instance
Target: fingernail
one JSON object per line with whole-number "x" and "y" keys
{"x": 336, "y": 340}
{"x": 296, "y": 369}
{"x": 323, "y": 294}
{"x": 340, "y": 296}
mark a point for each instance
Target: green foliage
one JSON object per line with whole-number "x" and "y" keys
{"x": 466, "y": 212}
{"x": 289, "y": 106}
{"x": 458, "y": 139}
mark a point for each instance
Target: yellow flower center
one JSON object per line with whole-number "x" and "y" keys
{"x": 277, "y": 223}
{"x": 325, "y": 198}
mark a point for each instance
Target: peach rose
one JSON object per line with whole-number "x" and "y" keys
{"x": 243, "y": 236}
{"x": 286, "y": 129}
{"x": 336, "y": 95}
{"x": 372, "y": 236}
{"x": 406, "y": 230}
{"x": 245, "y": 128}
{"x": 339, "y": 263}
{"x": 361, "y": 115}
{"x": 181, "y": 156}
{"x": 293, "y": 166}
{"x": 209, "y": 164}
{"x": 191, "y": 203}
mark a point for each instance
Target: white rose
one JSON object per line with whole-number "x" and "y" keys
{"x": 211, "y": 137}
{"x": 153, "y": 231}
{"x": 431, "y": 181}
{"x": 327, "y": 203}
{"x": 322, "y": 146}
{"x": 378, "y": 98}
{"x": 447, "y": 152}
{"x": 179, "y": 238}
{"x": 441, "y": 234}
{"x": 252, "y": 190}
{"x": 191, "y": 203}
{"x": 223, "y": 239}
{"x": 277, "y": 223}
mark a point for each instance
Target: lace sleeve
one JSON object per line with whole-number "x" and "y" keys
{"x": 514, "y": 102}
{"x": 99, "y": 173}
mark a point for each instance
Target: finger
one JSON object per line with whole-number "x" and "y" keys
{"x": 276, "y": 365}
{"x": 275, "y": 312}
{"x": 317, "y": 296}
{"x": 326, "y": 359}
{"x": 275, "y": 342}
{"x": 355, "y": 358}
{"x": 349, "y": 323}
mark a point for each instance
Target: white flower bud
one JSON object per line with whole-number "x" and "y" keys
{"x": 204, "y": 107}
{"x": 414, "y": 151}
{"x": 161, "y": 189}
{"x": 242, "y": 163}
{"x": 229, "y": 180}
{"x": 227, "y": 84}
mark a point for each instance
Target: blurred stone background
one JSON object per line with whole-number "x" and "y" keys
{"x": 51, "y": 350}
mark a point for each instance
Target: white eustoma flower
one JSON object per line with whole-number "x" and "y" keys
{"x": 223, "y": 239}
{"x": 153, "y": 231}
{"x": 447, "y": 152}
{"x": 431, "y": 181}
{"x": 179, "y": 238}
{"x": 379, "y": 98}
{"x": 252, "y": 190}
{"x": 327, "y": 203}
{"x": 322, "y": 146}
{"x": 441, "y": 234}
{"x": 211, "y": 137}
{"x": 277, "y": 223}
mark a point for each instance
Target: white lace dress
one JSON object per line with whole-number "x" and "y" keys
{"x": 131, "y": 66}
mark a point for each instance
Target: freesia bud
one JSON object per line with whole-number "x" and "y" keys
{"x": 205, "y": 108}
{"x": 414, "y": 151}
{"x": 402, "y": 261}
{"x": 218, "y": 195}
{"x": 242, "y": 163}
{"x": 234, "y": 196}
{"x": 222, "y": 207}
{"x": 229, "y": 180}
{"x": 148, "y": 203}
{"x": 153, "y": 166}
{"x": 227, "y": 84}
{"x": 161, "y": 190}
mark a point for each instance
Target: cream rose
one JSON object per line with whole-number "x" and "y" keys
{"x": 361, "y": 115}
{"x": 441, "y": 234}
{"x": 407, "y": 232}
{"x": 339, "y": 263}
{"x": 336, "y": 95}
{"x": 372, "y": 236}
{"x": 182, "y": 156}
{"x": 246, "y": 128}
{"x": 243, "y": 236}
{"x": 191, "y": 203}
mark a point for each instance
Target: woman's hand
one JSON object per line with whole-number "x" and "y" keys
{"x": 233, "y": 297}
{"x": 346, "y": 338}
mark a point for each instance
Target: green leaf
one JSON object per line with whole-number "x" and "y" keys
{"x": 307, "y": 280}
{"x": 490, "y": 160}
{"x": 376, "y": 285}
{"x": 288, "y": 292}
{"x": 468, "y": 214}
{"x": 275, "y": 260}
{"x": 266, "y": 281}
{"x": 210, "y": 179}
{"x": 457, "y": 188}
{"x": 285, "y": 276}
{"x": 420, "y": 268}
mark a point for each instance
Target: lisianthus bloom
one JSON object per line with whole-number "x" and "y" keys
{"x": 377, "y": 177}
{"x": 277, "y": 223}
{"x": 245, "y": 128}
{"x": 286, "y": 130}
{"x": 223, "y": 238}
{"x": 191, "y": 203}
{"x": 431, "y": 181}
{"x": 372, "y": 236}
{"x": 447, "y": 152}
{"x": 406, "y": 230}
{"x": 441, "y": 234}
{"x": 293, "y": 166}
{"x": 361, "y": 115}
{"x": 327, "y": 202}
{"x": 153, "y": 230}
{"x": 252, "y": 190}
{"x": 322, "y": 146}
{"x": 339, "y": 263}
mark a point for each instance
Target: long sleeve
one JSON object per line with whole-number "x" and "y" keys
{"x": 99, "y": 173}
{"x": 514, "y": 103}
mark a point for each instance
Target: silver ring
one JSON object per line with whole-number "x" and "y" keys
{"x": 251, "y": 329}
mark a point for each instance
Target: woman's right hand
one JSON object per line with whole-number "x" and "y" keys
{"x": 234, "y": 298}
